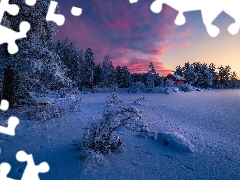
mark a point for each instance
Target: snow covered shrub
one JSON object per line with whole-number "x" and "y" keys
{"x": 104, "y": 89}
{"x": 169, "y": 90}
{"x": 40, "y": 112}
{"x": 113, "y": 100}
{"x": 140, "y": 100}
{"x": 102, "y": 137}
{"x": 137, "y": 87}
{"x": 75, "y": 103}
{"x": 62, "y": 92}
{"x": 45, "y": 113}
{"x": 170, "y": 82}
{"x": 45, "y": 109}
{"x": 185, "y": 87}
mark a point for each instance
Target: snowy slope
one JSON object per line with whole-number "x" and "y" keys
{"x": 202, "y": 129}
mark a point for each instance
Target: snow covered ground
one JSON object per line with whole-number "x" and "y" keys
{"x": 202, "y": 129}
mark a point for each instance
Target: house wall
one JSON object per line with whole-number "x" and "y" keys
{"x": 175, "y": 80}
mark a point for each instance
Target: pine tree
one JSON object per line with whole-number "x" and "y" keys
{"x": 72, "y": 58}
{"x": 89, "y": 65}
{"x": 98, "y": 73}
{"x": 189, "y": 73}
{"x": 234, "y": 83}
{"x": 178, "y": 71}
{"x": 204, "y": 76}
{"x": 36, "y": 66}
{"x": 108, "y": 72}
{"x": 224, "y": 76}
{"x": 212, "y": 71}
{"x": 123, "y": 77}
{"x": 151, "y": 66}
{"x": 151, "y": 76}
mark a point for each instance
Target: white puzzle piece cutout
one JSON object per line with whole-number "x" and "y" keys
{"x": 12, "y": 36}
{"x": 7, "y": 35}
{"x": 30, "y": 2}
{"x": 210, "y": 9}
{"x": 12, "y": 124}
{"x": 133, "y": 1}
{"x": 31, "y": 171}
{"x": 12, "y": 121}
{"x": 76, "y": 11}
{"x": 51, "y": 16}
{"x": 4, "y": 105}
{"x": 4, "y": 170}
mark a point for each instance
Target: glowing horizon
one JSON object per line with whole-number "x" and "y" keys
{"x": 132, "y": 35}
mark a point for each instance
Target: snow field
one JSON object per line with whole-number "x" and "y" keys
{"x": 202, "y": 129}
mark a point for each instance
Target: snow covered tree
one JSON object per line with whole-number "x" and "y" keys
{"x": 212, "y": 71}
{"x": 224, "y": 76}
{"x": 151, "y": 76}
{"x": 151, "y": 66}
{"x": 35, "y": 65}
{"x": 159, "y": 80}
{"x": 108, "y": 72}
{"x": 234, "y": 83}
{"x": 98, "y": 73}
{"x": 72, "y": 58}
{"x": 179, "y": 71}
{"x": 89, "y": 66}
{"x": 189, "y": 73}
{"x": 204, "y": 76}
{"x": 139, "y": 77}
{"x": 123, "y": 77}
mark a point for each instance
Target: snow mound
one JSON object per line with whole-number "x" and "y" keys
{"x": 175, "y": 141}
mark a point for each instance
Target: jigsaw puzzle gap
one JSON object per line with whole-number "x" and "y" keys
{"x": 4, "y": 105}
{"x": 76, "y": 11}
{"x": 30, "y": 2}
{"x": 12, "y": 124}
{"x": 210, "y": 10}
{"x": 12, "y": 36}
{"x": 31, "y": 171}
{"x": 51, "y": 16}
{"x": 4, "y": 170}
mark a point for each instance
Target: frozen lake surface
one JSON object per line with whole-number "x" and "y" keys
{"x": 207, "y": 122}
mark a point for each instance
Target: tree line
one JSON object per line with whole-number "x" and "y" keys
{"x": 208, "y": 76}
{"x": 42, "y": 65}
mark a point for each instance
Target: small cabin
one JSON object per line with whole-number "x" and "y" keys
{"x": 174, "y": 79}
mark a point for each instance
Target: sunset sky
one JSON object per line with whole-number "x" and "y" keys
{"x": 132, "y": 35}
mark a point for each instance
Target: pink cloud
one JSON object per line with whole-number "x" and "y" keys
{"x": 123, "y": 31}
{"x": 187, "y": 32}
{"x": 185, "y": 44}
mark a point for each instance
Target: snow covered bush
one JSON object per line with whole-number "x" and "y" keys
{"x": 44, "y": 113}
{"x": 185, "y": 87}
{"x": 48, "y": 107}
{"x": 169, "y": 90}
{"x": 140, "y": 100}
{"x": 102, "y": 137}
{"x": 170, "y": 82}
{"x": 113, "y": 100}
{"x": 137, "y": 87}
